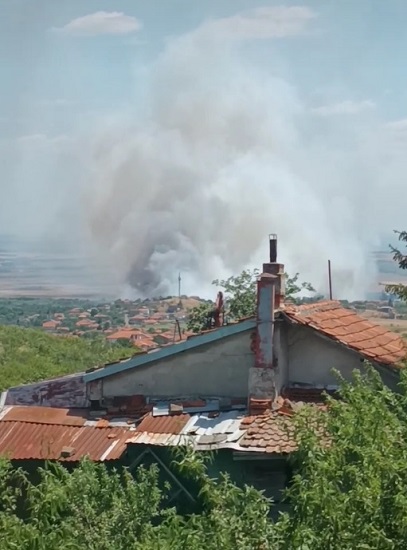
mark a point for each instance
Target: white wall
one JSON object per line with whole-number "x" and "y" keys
{"x": 217, "y": 369}
{"x": 311, "y": 358}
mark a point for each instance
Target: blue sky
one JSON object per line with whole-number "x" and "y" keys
{"x": 85, "y": 85}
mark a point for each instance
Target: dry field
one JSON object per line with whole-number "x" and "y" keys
{"x": 396, "y": 325}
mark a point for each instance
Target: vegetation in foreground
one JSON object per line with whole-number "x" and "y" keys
{"x": 348, "y": 492}
{"x": 28, "y": 355}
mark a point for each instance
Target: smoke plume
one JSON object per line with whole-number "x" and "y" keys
{"x": 218, "y": 151}
{"x": 224, "y": 153}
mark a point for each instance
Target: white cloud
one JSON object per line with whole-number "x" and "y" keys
{"x": 347, "y": 107}
{"x": 398, "y": 125}
{"x": 263, "y": 23}
{"x": 102, "y": 22}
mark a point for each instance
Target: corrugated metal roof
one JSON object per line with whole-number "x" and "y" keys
{"x": 163, "y": 424}
{"x": 44, "y": 415}
{"x": 24, "y": 440}
{"x": 201, "y": 430}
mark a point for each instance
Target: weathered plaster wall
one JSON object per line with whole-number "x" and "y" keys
{"x": 311, "y": 358}
{"x": 217, "y": 369}
{"x": 66, "y": 391}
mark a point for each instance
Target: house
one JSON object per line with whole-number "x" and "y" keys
{"x": 86, "y": 324}
{"x": 51, "y": 326}
{"x": 74, "y": 312}
{"x": 59, "y": 316}
{"x": 233, "y": 389}
{"x": 134, "y": 336}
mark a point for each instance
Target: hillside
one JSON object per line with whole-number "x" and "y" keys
{"x": 28, "y": 355}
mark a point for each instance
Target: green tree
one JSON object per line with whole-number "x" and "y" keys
{"x": 93, "y": 508}
{"x": 350, "y": 487}
{"x": 240, "y": 292}
{"x": 399, "y": 290}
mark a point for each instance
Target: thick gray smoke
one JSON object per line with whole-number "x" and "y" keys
{"x": 216, "y": 152}
{"x": 221, "y": 154}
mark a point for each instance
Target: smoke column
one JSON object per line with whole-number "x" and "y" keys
{"x": 218, "y": 154}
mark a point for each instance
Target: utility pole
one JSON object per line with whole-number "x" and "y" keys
{"x": 179, "y": 290}
{"x": 330, "y": 279}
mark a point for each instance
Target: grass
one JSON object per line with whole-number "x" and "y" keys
{"x": 28, "y": 355}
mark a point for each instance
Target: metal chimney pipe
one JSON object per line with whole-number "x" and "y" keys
{"x": 273, "y": 248}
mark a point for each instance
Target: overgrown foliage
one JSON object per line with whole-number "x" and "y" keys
{"x": 29, "y": 355}
{"x": 351, "y": 487}
{"x": 349, "y": 491}
{"x": 399, "y": 290}
{"x": 94, "y": 509}
{"x": 240, "y": 293}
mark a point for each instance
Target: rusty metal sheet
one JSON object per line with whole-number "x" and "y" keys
{"x": 25, "y": 441}
{"x": 45, "y": 415}
{"x": 163, "y": 424}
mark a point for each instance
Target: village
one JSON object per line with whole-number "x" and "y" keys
{"x": 144, "y": 325}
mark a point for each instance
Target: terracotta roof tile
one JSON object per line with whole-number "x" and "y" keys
{"x": 345, "y": 326}
{"x": 271, "y": 433}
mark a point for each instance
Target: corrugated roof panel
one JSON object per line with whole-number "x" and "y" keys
{"x": 203, "y": 424}
{"x": 45, "y": 415}
{"x": 163, "y": 424}
{"x": 24, "y": 440}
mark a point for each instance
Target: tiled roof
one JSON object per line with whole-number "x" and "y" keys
{"x": 372, "y": 341}
{"x": 270, "y": 433}
{"x": 273, "y": 432}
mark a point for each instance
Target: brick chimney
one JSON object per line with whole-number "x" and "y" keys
{"x": 270, "y": 295}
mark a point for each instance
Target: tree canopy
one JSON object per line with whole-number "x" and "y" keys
{"x": 399, "y": 290}
{"x": 240, "y": 293}
{"x": 29, "y": 355}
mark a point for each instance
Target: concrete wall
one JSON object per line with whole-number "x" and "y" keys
{"x": 311, "y": 358}
{"x": 217, "y": 369}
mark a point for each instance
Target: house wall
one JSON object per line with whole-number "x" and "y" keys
{"x": 217, "y": 369}
{"x": 281, "y": 356}
{"x": 311, "y": 358}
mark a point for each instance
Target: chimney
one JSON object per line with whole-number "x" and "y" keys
{"x": 274, "y": 268}
{"x": 273, "y": 248}
{"x": 262, "y": 375}
{"x": 270, "y": 296}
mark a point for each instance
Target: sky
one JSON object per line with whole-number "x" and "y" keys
{"x": 166, "y": 136}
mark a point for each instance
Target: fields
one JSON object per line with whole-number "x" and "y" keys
{"x": 395, "y": 325}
